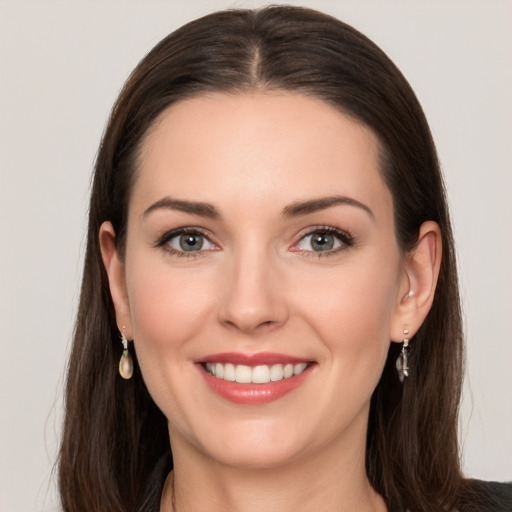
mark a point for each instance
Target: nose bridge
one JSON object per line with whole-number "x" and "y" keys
{"x": 252, "y": 299}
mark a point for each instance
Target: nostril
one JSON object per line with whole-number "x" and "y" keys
{"x": 249, "y": 308}
{"x": 252, "y": 327}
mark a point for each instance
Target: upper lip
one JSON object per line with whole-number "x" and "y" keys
{"x": 260, "y": 358}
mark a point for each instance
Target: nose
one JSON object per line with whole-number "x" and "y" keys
{"x": 253, "y": 299}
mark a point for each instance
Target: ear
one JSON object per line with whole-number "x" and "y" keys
{"x": 114, "y": 267}
{"x": 418, "y": 285}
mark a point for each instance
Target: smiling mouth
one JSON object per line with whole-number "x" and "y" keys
{"x": 260, "y": 374}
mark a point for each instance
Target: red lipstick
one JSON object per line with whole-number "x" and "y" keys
{"x": 252, "y": 359}
{"x": 253, "y": 379}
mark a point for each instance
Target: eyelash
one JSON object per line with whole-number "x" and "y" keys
{"x": 344, "y": 237}
{"x": 164, "y": 240}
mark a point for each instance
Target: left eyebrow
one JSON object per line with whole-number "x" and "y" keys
{"x": 322, "y": 203}
{"x": 192, "y": 207}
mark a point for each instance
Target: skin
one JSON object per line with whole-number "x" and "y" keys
{"x": 259, "y": 285}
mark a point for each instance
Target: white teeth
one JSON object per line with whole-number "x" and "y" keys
{"x": 299, "y": 368}
{"x": 262, "y": 374}
{"x": 229, "y": 372}
{"x": 242, "y": 374}
{"x": 276, "y": 372}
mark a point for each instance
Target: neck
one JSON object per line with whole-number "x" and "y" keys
{"x": 331, "y": 480}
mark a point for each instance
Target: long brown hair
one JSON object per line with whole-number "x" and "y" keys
{"x": 113, "y": 433}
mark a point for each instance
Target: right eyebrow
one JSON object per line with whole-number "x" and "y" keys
{"x": 193, "y": 207}
{"x": 322, "y": 203}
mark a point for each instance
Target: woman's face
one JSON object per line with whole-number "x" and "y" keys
{"x": 261, "y": 247}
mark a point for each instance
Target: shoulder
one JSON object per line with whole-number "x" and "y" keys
{"x": 481, "y": 496}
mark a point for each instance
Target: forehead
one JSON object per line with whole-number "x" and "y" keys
{"x": 259, "y": 147}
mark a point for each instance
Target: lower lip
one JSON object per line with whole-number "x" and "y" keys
{"x": 253, "y": 394}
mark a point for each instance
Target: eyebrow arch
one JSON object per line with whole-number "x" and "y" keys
{"x": 313, "y": 205}
{"x": 193, "y": 207}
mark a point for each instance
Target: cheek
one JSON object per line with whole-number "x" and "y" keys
{"x": 351, "y": 311}
{"x": 168, "y": 308}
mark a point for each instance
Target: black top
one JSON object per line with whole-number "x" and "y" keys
{"x": 494, "y": 496}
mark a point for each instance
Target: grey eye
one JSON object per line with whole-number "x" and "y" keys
{"x": 190, "y": 242}
{"x": 322, "y": 242}
{"x": 319, "y": 242}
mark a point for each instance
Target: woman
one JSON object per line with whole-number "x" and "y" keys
{"x": 270, "y": 266}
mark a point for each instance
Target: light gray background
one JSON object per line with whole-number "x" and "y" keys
{"x": 61, "y": 67}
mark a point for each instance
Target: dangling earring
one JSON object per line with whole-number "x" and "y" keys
{"x": 126, "y": 362}
{"x": 402, "y": 365}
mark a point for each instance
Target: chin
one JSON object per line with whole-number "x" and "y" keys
{"x": 251, "y": 443}
{"x": 256, "y": 457}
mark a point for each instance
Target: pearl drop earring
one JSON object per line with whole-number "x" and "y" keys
{"x": 402, "y": 364}
{"x": 126, "y": 362}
